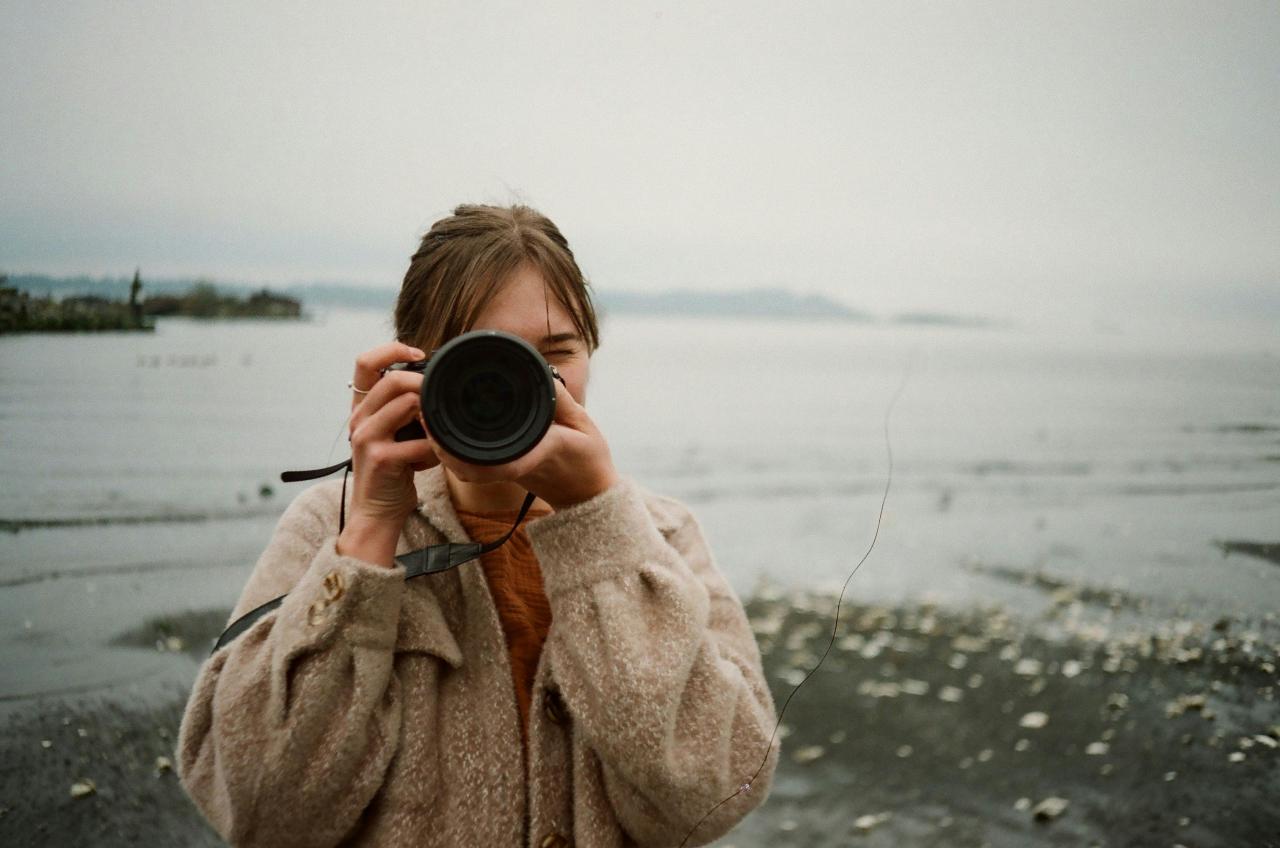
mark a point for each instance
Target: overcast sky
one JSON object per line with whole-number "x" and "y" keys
{"x": 1019, "y": 159}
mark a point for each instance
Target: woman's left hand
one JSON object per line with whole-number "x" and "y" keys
{"x": 571, "y": 463}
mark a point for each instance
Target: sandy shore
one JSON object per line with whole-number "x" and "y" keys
{"x": 922, "y": 727}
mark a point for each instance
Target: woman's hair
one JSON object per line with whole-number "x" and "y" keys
{"x": 463, "y": 261}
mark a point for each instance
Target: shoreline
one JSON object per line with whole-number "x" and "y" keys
{"x": 923, "y": 726}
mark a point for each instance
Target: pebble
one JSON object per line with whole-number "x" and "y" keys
{"x": 163, "y": 764}
{"x": 1183, "y": 703}
{"x": 1022, "y": 745}
{"x": 914, "y": 687}
{"x": 1097, "y": 749}
{"x": 837, "y": 737}
{"x": 1267, "y": 741}
{"x": 808, "y": 754}
{"x": 792, "y": 676}
{"x": 1049, "y": 809}
{"x": 985, "y": 754}
{"x": 1028, "y": 667}
{"x": 1170, "y": 776}
{"x": 950, "y": 694}
{"x": 1022, "y": 804}
{"x": 970, "y": 644}
{"x": 958, "y": 661}
{"x": 83, "y": 788}
{"x": 1071, "y": 668}
{"x": 46, "y": 743}
{"x": 877, "y": 689}
{"x": 1236, "y": 757}
{"x": 1034, "y": 720}
{"x": 870, "y": 822}
{"x": 904, "y": 751}
{"x": 974, "y": 681}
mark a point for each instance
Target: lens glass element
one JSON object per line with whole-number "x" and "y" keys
{"x": 488, "y": 397}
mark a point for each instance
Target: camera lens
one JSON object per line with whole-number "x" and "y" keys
{"x": 488, "y": 397}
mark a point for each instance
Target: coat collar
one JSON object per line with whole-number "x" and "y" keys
{"x": 435, "y": 504}
{"x": 423, "y": 626}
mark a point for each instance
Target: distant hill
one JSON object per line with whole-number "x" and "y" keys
{"x": 753, "y": 303}
{"x": 768, "y": 302}
{"x": 750, "y": 303}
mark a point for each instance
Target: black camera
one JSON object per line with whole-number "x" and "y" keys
{"x": 487, "y": 396}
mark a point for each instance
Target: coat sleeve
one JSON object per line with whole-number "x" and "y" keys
{"x": 658, "y": 666}
{"x": 290, "y": 728}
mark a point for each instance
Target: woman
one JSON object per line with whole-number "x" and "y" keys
{"x": 592, "y": 682}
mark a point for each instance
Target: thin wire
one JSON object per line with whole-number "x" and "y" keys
{"x": 746, "y": 787}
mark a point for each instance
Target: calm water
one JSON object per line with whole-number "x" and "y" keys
{"x": 1102, "y": 459}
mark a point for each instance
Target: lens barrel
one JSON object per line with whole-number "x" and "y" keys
{"x": 488, "y": 397}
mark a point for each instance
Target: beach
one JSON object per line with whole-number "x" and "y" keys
{"x": 922, "y": 726}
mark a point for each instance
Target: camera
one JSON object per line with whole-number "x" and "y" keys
{"x": 487, "y": 396}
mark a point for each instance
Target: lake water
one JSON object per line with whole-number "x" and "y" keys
{"x": 1100, "y": 459}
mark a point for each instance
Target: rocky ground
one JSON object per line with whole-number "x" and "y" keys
{"x": 922, "y": 727}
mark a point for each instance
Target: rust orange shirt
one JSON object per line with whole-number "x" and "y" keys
{"x": 515, "y": 581}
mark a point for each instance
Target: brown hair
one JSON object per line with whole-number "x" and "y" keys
{"x": 464, "y": 259}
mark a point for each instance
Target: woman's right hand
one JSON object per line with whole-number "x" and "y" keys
{"x": 383, "y": 494}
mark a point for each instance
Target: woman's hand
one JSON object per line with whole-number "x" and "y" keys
{"x": 383, "y": 494}
{"x": 569, "y": 465}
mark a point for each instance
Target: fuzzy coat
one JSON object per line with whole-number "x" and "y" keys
{"x": 371, "y": 710}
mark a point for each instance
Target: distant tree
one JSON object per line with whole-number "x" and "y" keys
{"x": 203, "y": 301}
{"x": 135, "y": 305}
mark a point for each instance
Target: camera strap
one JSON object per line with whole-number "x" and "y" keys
{"x": 428, "y": 560}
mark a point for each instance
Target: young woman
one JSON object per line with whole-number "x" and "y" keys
{"x": 592, "y": 682}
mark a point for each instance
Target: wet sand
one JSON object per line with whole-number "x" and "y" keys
{"x": 923, "y": 726}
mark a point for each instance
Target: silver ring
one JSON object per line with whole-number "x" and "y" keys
{"x": 352, "y": 386}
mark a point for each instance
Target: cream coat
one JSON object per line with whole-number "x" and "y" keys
{"x": 371, "y": 710}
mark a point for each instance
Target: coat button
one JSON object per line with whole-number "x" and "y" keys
{"x": 555, "y": 840}
{"x": 334, "y": 586}
{"x": 553, "y": 706}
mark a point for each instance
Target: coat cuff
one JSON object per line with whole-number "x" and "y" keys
{"x": 344, "y": 595}
{"x": 599, "y": 539}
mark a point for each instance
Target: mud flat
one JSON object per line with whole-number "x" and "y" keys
{"x": 922, "y": 727}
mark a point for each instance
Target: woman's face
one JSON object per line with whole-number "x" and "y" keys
{"x": 522, "y": 307}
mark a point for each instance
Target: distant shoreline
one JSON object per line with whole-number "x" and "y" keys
{"x": 759, "y": 302}
{"x": 102, "y": 308}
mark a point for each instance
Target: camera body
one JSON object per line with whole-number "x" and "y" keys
{"x": 488, "y": 397}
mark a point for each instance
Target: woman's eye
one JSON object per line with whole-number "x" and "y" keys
{"x": 561, "y": 352}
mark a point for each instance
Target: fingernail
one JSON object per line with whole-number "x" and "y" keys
{"x": 417, "y": 353}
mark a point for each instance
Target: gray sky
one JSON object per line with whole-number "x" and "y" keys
{"x": 1020, "y": 159}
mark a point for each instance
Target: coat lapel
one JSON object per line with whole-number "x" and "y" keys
{"x": 425, "y": 623}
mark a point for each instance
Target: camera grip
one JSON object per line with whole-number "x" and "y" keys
{"x": 412, "y": 430}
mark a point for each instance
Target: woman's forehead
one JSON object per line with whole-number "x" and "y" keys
{"x": 527, "y": 307}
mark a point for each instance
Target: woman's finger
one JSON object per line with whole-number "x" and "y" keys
{"x": 568, "y": 411}
{"x": 382, "y": 423}
{"x": 369, "y": 366}
{"x": 393, "y": 385}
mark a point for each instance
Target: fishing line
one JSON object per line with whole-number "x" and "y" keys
{"x": 746, "y": 787}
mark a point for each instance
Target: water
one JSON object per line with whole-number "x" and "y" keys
{"x": 1103, "y": 459}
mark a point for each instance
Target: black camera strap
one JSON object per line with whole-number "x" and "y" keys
{"x": 428, "y": 560}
